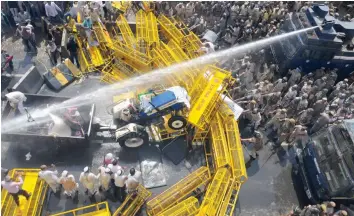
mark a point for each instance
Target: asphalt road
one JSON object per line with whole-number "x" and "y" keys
{"x": 270, "y": 189}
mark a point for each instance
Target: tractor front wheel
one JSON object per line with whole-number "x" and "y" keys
{"x": 134, "y": 140}
{"x": 177, "y": 122}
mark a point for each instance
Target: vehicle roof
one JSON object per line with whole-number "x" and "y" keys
{"x": 349, "y": 124}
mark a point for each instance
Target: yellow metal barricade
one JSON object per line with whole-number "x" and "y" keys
{"x": 219, "y": 143}
{"x": 148, "y": 5}
{"x": 161, "y": 62}
{"x": 191, "y": 44}
{"x": 112, "y": 74}
{"x": 133, "y": 203}
{"x": 31, "y": 184}
{"x": 215, "y": 193}
{"x": 152, "y": 30}
{"x": 228, "y": 204}
{"x": 132, "y": 57}
{"x": 237, "y": 160}
{"x": 126, "y": 69}
{"x": 142, "y": 32}
{"x": 177, "y": 51}
{"x": 169, "y": 30}
{"x": 83, "y": 57}
{"x": 101, "y": 33}
{"x": 188, "y": 207}
{"x": 203, "y": 104}
{"x": 125, "y": 30}
{"x": 178, "y": 192}
{"x": 96, "y": 57}
{"x": 99, "y": 209}
{"x": 121, "y": 5}
{"x": 180, "y": 25}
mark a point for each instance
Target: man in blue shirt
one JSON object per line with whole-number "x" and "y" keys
{"x": 87, "y": 25}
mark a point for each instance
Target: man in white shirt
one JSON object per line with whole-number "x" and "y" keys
{"x": 14, "y": 188}
{"x": 88, "y": 180}
{"x": 119, "y": 182}
{"x": 132, "y": 182}
{"x": 69, "y": 184}
{"x": 49, "y": 176}
{"x": 207, "y": 47}
{"x": 114, "y": 167}
{"x": 51, "y": 10}
{"x": 104, "y": 178}
{"x": 16, "y": 99}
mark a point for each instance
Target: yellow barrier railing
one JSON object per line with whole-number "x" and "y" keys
{"x": 98, "y": 209}
{"x": 32, "y": 184}
{"x": 191, "y": 44}
{"x": 133, "y": 203}
{"x": 219, "y": 143}
{"x": 187, "y": 207}
{"x": 101, "y": 33}
{"x": 237, "y": 160}
{"x": 152, "y": 31}
{"x": 180, "y": 25}
{"x": 215, "y": 193}
{"x": 203, "y": 104}
{"x": 177, "y": 52}
{"x": 141, "y": 32}
{"x": 121, "y": 5}
{"x": 126, "y": 31}
{"x": 178, "y": 191}
{"x": 132, "y": 57}
{"x": 169, "y": 30}
{"x": 228, "y": 204}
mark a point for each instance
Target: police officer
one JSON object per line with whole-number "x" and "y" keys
{"x": 322, "y": 121}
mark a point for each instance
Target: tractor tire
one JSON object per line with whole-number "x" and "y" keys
{"x": 134, "y": 140}
{"x": 177, "y": 122}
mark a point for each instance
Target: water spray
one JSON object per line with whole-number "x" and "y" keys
{"x": 106, "y": 93}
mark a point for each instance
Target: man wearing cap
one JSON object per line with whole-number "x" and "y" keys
{"x": 50, "y": 177}
{"x": 285, "y": 130}
{"x": 108, "y": 159}
{"x": 132, "y": 182}
{"x": 303, "y": 104}
{"x": 257, "y": 141}
{"x": 114, "y": 167}
{"x": 88, "y": 180}
{"x": 14, "y": 188}
{"x": 280, "y": 84}
{"x": 323, "y": 120}
{"x": 104, "y": 178}
{"x": 119, "y": 182}
{"x": 69, "y": 184}
{"x": 289, "y": 96}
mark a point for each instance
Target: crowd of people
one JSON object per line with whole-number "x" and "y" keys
{"x": 110, "y": 176}
{"x": 292, "y": 106}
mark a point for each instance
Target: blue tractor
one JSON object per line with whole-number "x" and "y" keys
{"x": 132, "y": 115}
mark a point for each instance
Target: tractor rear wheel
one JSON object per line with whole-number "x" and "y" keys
{"x": 133, "y": 140}
{"x": 177, "y": 122}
